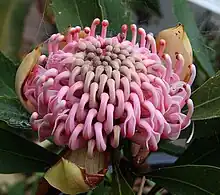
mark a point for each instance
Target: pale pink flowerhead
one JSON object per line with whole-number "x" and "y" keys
{"x": 98, "y": 89}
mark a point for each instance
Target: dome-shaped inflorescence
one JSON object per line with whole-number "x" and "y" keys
{"x": 97, "y": 89}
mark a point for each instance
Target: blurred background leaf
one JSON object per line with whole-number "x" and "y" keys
{"x": 117, "y": 13}
{"x": 45, "y": 9}
{"x": 12, "y": 14}
{"x": 7, "y": 76}
{"x": 25, "y": 185}
{"x": 17, "y": 189}
{"x": 145, "y": 9}
{"x": 75, "y": 13}
{"x": 78, "y": 12}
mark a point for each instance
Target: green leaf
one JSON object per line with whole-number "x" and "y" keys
{"x": 13, "y": 13}
{"x": 207, "y": 99}
{"x": 20, "y": 155}
{"x": 26, "y": 133}
{"x": 7, "y": 76}
{"x": 171, "y": 147}
{"x": 117, "y": 13}
{"x": 12, "y": 112}
{"x": 188, "y": 179}
{"x": 75, "y": 13}
{"x": 177, "y": 147}
{"x": 202, "y": 152}
{"x": 206, "y": 128}
{"x": 119, "y": 184}
{"x": 185, "y": 16}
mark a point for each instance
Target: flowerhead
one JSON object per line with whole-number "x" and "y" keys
{"x": 98, "y": 89}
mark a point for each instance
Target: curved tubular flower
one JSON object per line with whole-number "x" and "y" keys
{"x": 97, "y": 89}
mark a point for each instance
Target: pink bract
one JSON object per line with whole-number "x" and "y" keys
{"x": 97, "y": 89}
